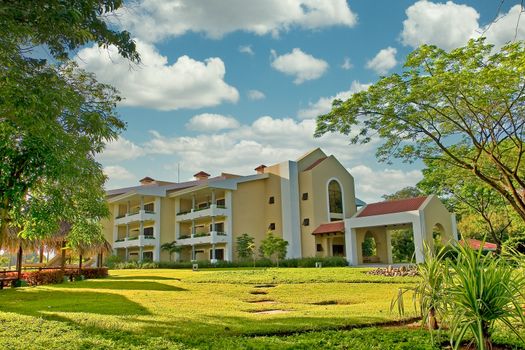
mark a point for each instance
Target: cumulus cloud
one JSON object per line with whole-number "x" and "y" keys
{"x": 506, "y": 28}
{"x": 347, "y": 64}
{"x": 383, "y": 61}
{"x": 247, "y": 49}
{"x": 267, "y": 140}
{"x": 117, "y": 172}
{"x": 256, "y": 95}
{"x": 154, "y": 20}
{"x": 447, "y": 25}
{"x": 120, "y": 149}
{"x": 207, "y": 122}
{"x": 157, "y": 84}
{"x": 450, "y": 25}
{"x": 300, "y": 65}
{"x": 371, "y": 184}
{"x": 324, "y": 104}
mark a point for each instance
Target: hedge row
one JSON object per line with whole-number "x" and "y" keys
{"x": 304, "y": 262}
{"x": 38, "y": 278}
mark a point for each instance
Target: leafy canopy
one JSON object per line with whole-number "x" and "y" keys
{"x": 54, "y": 117}
{"x": 463, "y": 108}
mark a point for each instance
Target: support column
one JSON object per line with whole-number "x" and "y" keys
{"x": 193, "y": 200}
{"x": 141, "y": 203}
{"x": 141, "y": 253}
{"x": 351, "y": 246}
{"x": 213, "y": 197}
{"x": 418, "y": 230}
{"x": 128, "y": 207}
{"x": 127, "y": 231}
{"x": 192, "y": 252}
{"x": 454, "y": 228}
{"x": 141, "y": 228}
{"x": 213, "y": 258}
{"x": 390, "y": 260}
{"x": 126, "y": 256}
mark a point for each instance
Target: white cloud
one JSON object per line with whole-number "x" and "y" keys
{"x": 503, "y": 29}
{"x": 267, "y": 140}
{"x": 154, "y": 20}
{"x": 383, "y": 61}
{"x": 155, "y": 83}
{"x": 347, "y": 64}
{"x": 300, "y": 65}
{"x": 117, "y": 172}
{"x": 120, "y": 149}
{"x": 446, "y": 25}
{"x": 372, "y": 184}
{"x": 256, "y": 95}
{"x": 247, "y": 49}
{"x": 207, "y": 122}
{"x": 324, "y": 104}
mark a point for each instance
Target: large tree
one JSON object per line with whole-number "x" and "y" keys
{"x": 463, "y": 108}
{"x": 54, "y": 118}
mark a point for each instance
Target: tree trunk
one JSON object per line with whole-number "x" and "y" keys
{"x": 432, "y": 320}
{"x": 487, "y": 341}
{"x": 80, "y": 264}
{"x": 41, "y": 257}
{"x": 19, "y": 258}
{"x": 63, "y": 261}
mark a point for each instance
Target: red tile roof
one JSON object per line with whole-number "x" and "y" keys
{"x": 201, "y": 173}
{"x": 314, "y": 164}
{"x": 390, "y": 207}
{"x": 336, "y": 226}
{"x": 476, "y": 244}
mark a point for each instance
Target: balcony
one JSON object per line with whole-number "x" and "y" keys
{"x": 139, "y": 215}
{"x": 212, "y": 237}
{"x": 211, "y": 210}
{"x": 136, "y": 241}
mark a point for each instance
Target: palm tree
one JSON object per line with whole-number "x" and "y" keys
{"x": 171, "y": 247}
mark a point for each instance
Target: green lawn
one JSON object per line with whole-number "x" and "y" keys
{"x": 180, "y": 309}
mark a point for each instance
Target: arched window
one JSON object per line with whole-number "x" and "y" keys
{"x": 335, "y": 197}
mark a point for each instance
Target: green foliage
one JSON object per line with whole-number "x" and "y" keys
{"x": 483, "y": 290}
{"x": 54, "y": 117}
{"x": 245, "y": 246}
{"x": 369, "y": 246}
{"x": 273, "y": 246}
{"x": 112, "y": 260}
{"x": 134, "y": 264}
{"x": 171, "y": 247}
{"x": 440, "y": 109}
{"x": 404, "y": 193}
{"x": 403, "y": 248}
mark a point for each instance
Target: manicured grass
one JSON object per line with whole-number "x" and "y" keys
{"x": 209, "y": 309}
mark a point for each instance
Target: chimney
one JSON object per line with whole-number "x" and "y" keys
{"x": 260, "y": 169}
{"x": 147, "y": 181}
{"x": 201, "y": 175}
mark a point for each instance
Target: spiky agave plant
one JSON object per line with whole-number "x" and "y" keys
{"x": 428, "y": 294}
{"x": 482, "y": 290}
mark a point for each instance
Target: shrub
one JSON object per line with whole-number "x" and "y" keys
{"x": 38, "y": 278}
{"x": 112, "y": 260}
{"x": 133, "y": 264}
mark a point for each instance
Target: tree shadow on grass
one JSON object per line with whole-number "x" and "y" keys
{"x": 122, "y": 285}
{"x": 144, "y": 278}
{"x": 43, "y": 302}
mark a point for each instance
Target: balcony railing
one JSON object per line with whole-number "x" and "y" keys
{"x": 203, "y": 238}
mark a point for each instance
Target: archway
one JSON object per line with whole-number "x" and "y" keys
{"x": 438, "y": 237}
{"x": 369, "y": 248}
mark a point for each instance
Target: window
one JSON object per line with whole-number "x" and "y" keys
{"x": 305, "y": 196}
{"x": 219, "y": 227}
{"x": 219, "y": 254}
{"x": 271, "y": 200}
{"x": 148, "y": 231}
{"x": 335, "y": 198}
{"x": 203, "y": 205}
{"x": 221, "y": 202}
{"x": 338, "y": 250}
{"x": 147, "y": 256}
{"x": 149, "y": 208}
{"x": 319, "y": 247}
{"x": 271, "y": 226}
{"x": 306, "y": 222}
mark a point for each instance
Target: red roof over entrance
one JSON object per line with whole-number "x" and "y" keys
{"x": 332, "y": 227}
{"x": 390, "y": 207}
{"x": 476, "y": 244}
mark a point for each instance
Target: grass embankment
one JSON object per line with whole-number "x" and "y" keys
{"x": 210, "y": 309}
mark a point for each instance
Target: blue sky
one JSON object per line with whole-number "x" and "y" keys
{"x": 228, "y": 85}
